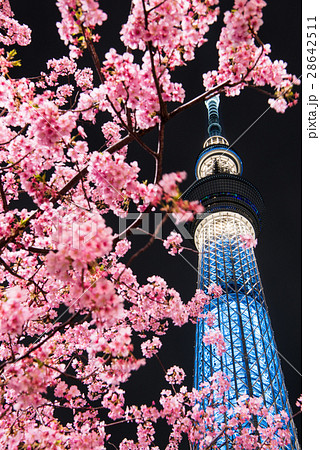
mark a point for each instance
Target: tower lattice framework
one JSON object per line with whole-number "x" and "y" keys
{"x": 233, "y": 210}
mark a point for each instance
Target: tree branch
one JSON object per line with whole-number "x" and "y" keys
{"x": 3, "y": 197}
{"x": 211, "y": 92}
{"x": 148, "y": 244}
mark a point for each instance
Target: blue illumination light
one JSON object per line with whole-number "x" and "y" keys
{"x": 229, "y": 194}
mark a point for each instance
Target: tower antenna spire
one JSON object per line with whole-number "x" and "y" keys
{"x": 214, "y": 127}
{"x": 216, "y": 156}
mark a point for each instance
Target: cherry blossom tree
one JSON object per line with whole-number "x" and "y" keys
{"x": 76, "y": 322}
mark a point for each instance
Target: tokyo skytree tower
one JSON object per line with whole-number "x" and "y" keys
{"x": 233, "y": 209}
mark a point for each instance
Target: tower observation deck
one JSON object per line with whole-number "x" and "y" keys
{"x": 233, "y": 208}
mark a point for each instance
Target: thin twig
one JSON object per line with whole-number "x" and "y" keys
{"x": 148, "y": 244}
{"x": 211, "y": 92}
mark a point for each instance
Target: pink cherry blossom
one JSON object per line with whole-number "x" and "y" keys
{"x": 299, "y": 402}
{"x": 13, "y": 31}
{"x": 215, "y": 337}
{"x": 74, "y": 15}
{"x": 175, "y": 375}
{"x": 215, "y": 290}
{"x": 197, "y": 304}
{"x": 173, "y": 242}
{"x": 151, "y": 347}
{"x": 14, "y": 311}
{"x": 241, "y": 61}
{"x": 122, "y": 247}
{"x": 169, "y": 182}
{"x": 188, "y": 20}
{"x": 247, "y": 241}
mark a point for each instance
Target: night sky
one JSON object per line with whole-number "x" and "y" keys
{"x": 270, "y": 150}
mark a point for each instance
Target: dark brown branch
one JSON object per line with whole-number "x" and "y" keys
{"x": 163, "y": 106}
{"x": 83, "y": 188}
{"x": 158, "y": 170}
{"x": 93, "y": 54}
{"x": 148, "y": 244}
{"x": 40, "y": 251}
{"x": 68, "y": 375}
{"x": 17, "y": 162}
{"x": 257, "y": 60}
{"x": 155, "y": 7}
{"x": 3, "y": 197}
{"x": 11, "y": 271}
{"x": 143, "y": 145}
{"x": 211, "y": 92}
{"x": 28, "y": 281}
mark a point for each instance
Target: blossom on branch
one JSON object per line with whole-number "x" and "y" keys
{"x": 151, "y": 347}
{"x": 173, "y": 242}
{"x": 215, "y": 337}
{"x": 14, "y": 311}
{"x": 215, "y": 290}
{"x": 248, "y": 241}
{"x": 175, "y": 375}
{"x": 242, "y": 62}
{"x": 11, "y": 31}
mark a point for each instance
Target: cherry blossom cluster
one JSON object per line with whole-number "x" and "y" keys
{"x": 197, "y": 305}
{"x": 248, "y": 241}
{"x": 174, "y": 29}
{"x": 11, "y": 31}
{"x": 151, "y": 347}
{"x": 160, "y": 303}
{"x": 215, "y": 337}
{"x": 173, "y": 242}
{"x": 107, "y": 348}
{"x": 79, "y": 19}
{"x": 78, "y": 242}
{"x": 242, "y": 62}
{"x": 115, "y": 180}
{"x": 14, "y": 312}
{"x": 175, "y": 375}
{"x": 132, "y": 85}
{"x": 203, "y": 428}
{"x": 122, "y": 247}
{"x": 215, "y": 290}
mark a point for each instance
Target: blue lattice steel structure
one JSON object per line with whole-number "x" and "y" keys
{"x": 233, "y": 208}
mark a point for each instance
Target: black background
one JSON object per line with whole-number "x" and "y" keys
{"x": 271, "y": 154}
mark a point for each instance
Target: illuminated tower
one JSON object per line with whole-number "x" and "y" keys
{"x": 233, "y": 208}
